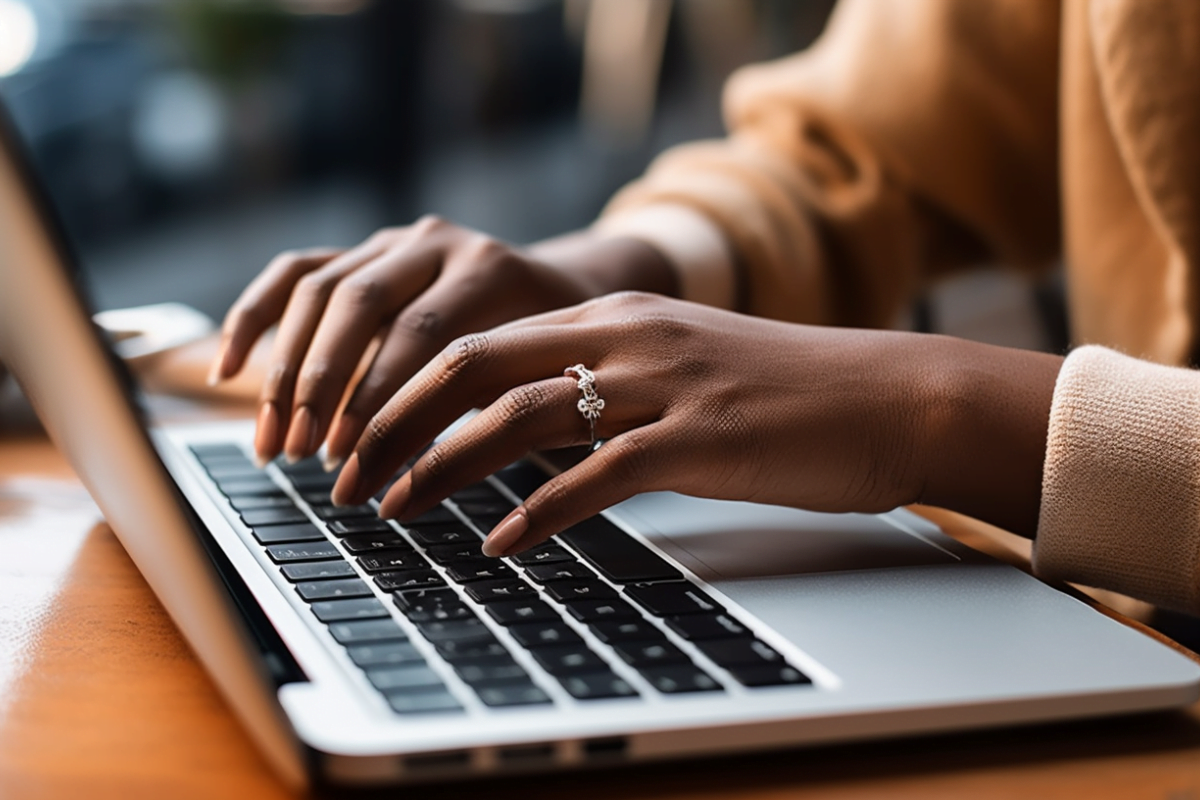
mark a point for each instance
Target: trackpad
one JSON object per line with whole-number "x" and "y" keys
{"x": 721, "y": 539}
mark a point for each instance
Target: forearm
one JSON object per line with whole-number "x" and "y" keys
{"x": 983, "y": 435}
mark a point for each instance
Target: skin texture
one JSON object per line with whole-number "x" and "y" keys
{"x": 717, "y": 404}
{"x": 354, "y": 325}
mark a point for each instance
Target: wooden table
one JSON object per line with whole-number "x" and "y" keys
{"x": 100, "y": 697}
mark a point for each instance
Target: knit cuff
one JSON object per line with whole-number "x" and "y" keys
{"x": 1121, "y": 487}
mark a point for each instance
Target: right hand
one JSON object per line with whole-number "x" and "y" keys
{"x": 410, "y": 290}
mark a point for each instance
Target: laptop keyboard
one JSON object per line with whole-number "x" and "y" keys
{"x": 594, "y": 576}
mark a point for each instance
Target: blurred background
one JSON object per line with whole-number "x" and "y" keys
{"x": 185, "y": 142}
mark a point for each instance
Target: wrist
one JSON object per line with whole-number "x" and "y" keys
{"x": 984, "y": 413}
{"x": 603, "y": 264}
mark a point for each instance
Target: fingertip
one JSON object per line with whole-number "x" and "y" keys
{"x": 504, "y": 538}
{"x": 267, "y": 433}
{"x": 347, "y": 483}
{"x": 396, "y": 500}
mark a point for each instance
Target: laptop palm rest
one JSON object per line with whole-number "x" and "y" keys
{"x": 730, "y": 540}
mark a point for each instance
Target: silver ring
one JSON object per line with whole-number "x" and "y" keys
{"x": 590, "y": 404}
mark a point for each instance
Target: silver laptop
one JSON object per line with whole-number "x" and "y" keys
{"x": 357, "y": 651}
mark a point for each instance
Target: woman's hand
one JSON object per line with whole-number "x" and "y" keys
{"x": 716, "y": 404}
{"x": 399, "y": 297}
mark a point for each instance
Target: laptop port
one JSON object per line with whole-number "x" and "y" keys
{"x": 526, "y": 756}
{"x": 438, "y": 762}
{"x": 610, "y": 748}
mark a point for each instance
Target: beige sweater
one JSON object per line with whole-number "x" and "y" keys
{"x": 921, "y": 136}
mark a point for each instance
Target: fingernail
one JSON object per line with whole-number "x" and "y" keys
{"x": 219, "y": 368}
{"x": 302, "y": 436}
{"x": 214, "y": 373}
{"x": 397, "y": 497}
{"x": 330, "y": 463}
{"x": 267, "y": 427}
{"x": 347, "y": 483}
{"x": 339, "y": 432}
{"x": 506, "y": 534}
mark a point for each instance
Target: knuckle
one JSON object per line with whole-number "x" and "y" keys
{"x": 376, "y": 432}
{"x": 425, "y": 323}
{"x": 521, "y": 404}
{"x": 465, "y": 353}
{"x": 437, "y": 461}
{"x": 313, "y": 286}
{"x": 428, "y": 223}
{"x": 360, "y": 292}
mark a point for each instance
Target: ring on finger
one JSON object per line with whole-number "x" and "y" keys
{"x": 590, "y": 404}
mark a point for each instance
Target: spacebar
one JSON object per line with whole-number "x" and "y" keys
{"x": 617, "y": 555}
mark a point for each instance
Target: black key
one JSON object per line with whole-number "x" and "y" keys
{"x": 347, "y": 527}
{"x": 523, "y": 478}
{"x": 454, "y": 651}
{"x": 491, "y": 670}
{"x": 444, "y": 534}
{"x": 732, "y": 652}
{"x": 318, "y": 571}
{"x": 568, "y": 591}
{"x": 438, "y": 515}
{"x": 368, "y": 630}
{"x": 617, "y": 555}
{"x": 386, "y": 654}
{"x": 338, "y": 610}
{"x": 233, "y": 471}
{"x": 432, "y": 605}
{"x": 317, "y": 498}
{"x": 493, "y": 591}
{"x": 538, "y": 634}
{"x": 257, "y": 486}
{"x": 393, "y": 559}
{"x": 512, "y": 612}
{"x": 305, "y": 466}
{"x": 320, "y": 482}
{"x": 216, "y": 450}
{"x": 479, "y": 570}
{"x": 634, "y": 630}
{"x": 251, "y": 501}
{"x": 422, "y": 701}
{"x": 707, "y": 626}
{"x": 409, "y": 579}
{"x": 562, "y": 571}
{"x": 368, "y": 542}
{"x": 330, "y": 513}
{"x": 597, "y": 686}
{"x": 482, "y": 492}
{"x": 331, "y": 590}
{"x": 465, "y": 631}
{"x": 601, "y": 610}
{"x": 568, "y": 659}
{"x": 768, "y": 675}
{"x": 273, "y": 516}
{"x": 406, "y": 676}
{"x": 486, "y": 515}
{"x": 543, "y": 554}
{"x": 672, "y": 599}
{"x": 649, "y": 654}
{"x": 511, "y": 694}
{"x": 274, "y": 534}
{"x": 446, "y": 554}
{"x": 680, "y": 678}
{"x": 311, "y": 551}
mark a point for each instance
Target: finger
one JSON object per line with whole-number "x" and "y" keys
{"x": 470, "y": 373}
{"x": 446, "y": 310}
{"x": 535, "y": 416}
{"x": 639, "y": 460}
{"x": 300, "y": 318}
{"x": 358, "y": 306}
{"x": 260, "y": 306}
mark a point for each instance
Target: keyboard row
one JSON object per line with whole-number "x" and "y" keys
{"x": 504, "y": 592}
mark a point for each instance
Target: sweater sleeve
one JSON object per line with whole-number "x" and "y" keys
{"x": 1121, "y": 485}
{"x": 911, "y": 139}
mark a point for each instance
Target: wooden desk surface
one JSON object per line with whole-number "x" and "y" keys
{"x": 100, "y": 697}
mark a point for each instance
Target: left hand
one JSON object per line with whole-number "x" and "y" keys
{"x": 698, "y": 400}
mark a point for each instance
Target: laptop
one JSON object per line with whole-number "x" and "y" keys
{"x": 361, "y": 652}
